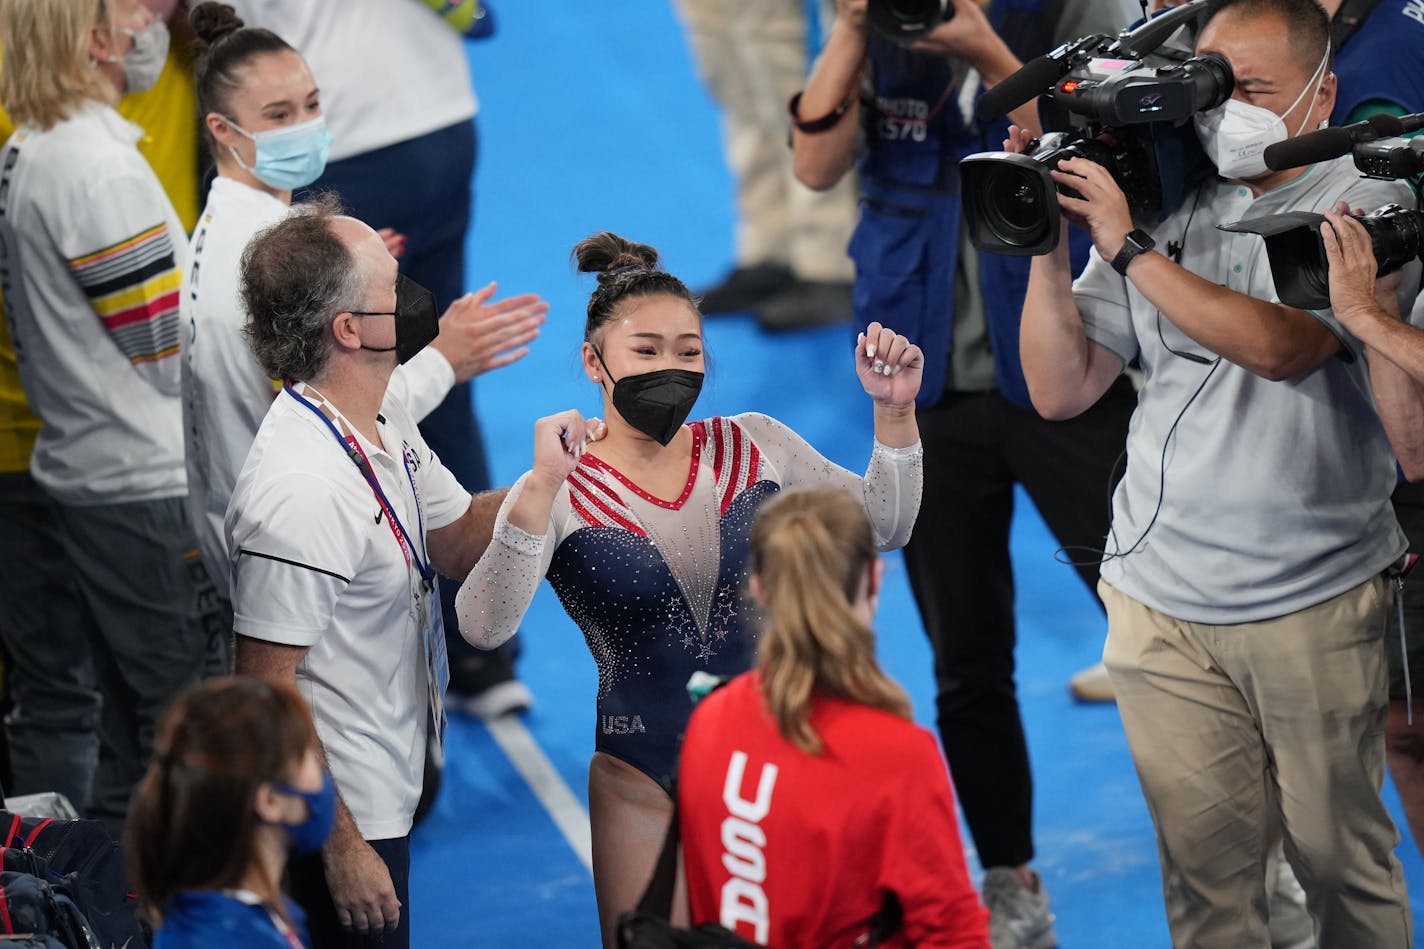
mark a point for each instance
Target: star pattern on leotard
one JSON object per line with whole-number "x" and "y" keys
{"x": 726, "y": 609}
{"x": 705, "y": 652}
{"x": 682, "y": 626}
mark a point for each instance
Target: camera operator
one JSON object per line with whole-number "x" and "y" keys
{"x": 915, "y": 267}
{"x": 1244, "y": 578}
{"x": 1377, "y": 63}
{"x": 1369, "y": 309}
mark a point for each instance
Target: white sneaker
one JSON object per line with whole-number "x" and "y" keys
{"x": 1291, "y": 926}
{"x": 1019, "y": 917}
{"x": 1092, "y": 685}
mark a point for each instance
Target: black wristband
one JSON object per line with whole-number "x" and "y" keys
{"x": 1136, "y": 242}
{"x": 825, "y": 122}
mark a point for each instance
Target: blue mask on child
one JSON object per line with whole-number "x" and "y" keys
{"x": 310, "y": 834}
{"x": 289, "y": 157}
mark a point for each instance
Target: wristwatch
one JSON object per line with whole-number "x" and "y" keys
{"x": 1137, "y": 242}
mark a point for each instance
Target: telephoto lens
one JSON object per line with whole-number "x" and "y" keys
{"x": 1011, "y": 203}
{"x": 905, "y": 21}
{"x": 1297, "y": 251}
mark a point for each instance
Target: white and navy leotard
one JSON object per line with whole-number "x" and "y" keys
{"x": 657, "y": 586}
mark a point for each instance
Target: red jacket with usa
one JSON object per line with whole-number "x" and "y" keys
{"x": 797, "y": 850}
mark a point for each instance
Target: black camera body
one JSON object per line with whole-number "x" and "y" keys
{"x": 905, "y": 21}
{"x": 1123, "y": 103}
{"x": 1293, "y": 243}
{"x": 1391, "y": 158}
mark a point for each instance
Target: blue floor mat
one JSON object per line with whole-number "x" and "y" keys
{"x": 592, "y": 118}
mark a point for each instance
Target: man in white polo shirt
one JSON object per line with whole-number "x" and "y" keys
{"x": 339, "y": 519}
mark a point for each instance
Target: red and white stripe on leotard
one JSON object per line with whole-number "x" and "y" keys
{"x": 736, "y": 463}
{"x": 597, "y": 504}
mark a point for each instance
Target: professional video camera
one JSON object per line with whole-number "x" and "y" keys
{"x": 1124, "y": 103}
{"x": 1293, "y": 242}
{"x": 905, "y": 21}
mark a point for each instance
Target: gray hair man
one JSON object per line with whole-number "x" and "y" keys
{"x": 340, "y": 519}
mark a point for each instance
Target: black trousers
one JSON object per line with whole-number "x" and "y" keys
{"x": 977, "y": 446}
{"x": 306, "y": 878}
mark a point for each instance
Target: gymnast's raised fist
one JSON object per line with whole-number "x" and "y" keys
{"x": 889, "y": 366}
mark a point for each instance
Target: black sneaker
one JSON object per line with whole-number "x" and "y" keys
{"x": 745, "y": 287}
{"x": 485, "y": 686}
{"x": 806, "y": 304}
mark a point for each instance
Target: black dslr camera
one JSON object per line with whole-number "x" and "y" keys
{"x": 1124, "y": 103}
{"x": 1293, "y": 242}
{"x": 905, "y": 21}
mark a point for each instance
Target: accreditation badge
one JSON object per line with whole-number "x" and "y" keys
{"x": 437, "y": 659}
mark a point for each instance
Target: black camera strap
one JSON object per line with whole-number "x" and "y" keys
{"x": 1348, "y": 19}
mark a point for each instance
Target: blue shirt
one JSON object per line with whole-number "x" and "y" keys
{"x": 201, "y": 919}
{"x": 1383, "y": 60}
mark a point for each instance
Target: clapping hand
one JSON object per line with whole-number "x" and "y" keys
{"x": 477, "y": 335}
{"x": 889, "y": 365}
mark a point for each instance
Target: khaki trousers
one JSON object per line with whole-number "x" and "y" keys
{"x": 752, "y": 55}
{"x": 1233, "y": 728}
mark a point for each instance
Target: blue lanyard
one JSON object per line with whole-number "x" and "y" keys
{"x": 358, "y": 458}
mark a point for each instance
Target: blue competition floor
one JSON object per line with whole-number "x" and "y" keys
{"x": 592, "y": 118}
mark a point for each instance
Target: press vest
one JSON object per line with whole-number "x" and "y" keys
{"x": 906, "y": 246}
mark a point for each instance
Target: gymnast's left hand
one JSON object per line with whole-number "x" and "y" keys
{"x": 889, "y": 365}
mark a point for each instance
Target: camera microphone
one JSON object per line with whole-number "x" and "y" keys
{"x": 1032, "y": 79}
{"x": 1336, "y": 141}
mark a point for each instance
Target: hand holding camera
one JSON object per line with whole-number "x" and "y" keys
{"x": 1356, "y": 292}
{"x": 851, "y": 13}
{"x": 964, "y": 33}
{"x": 1123, "y": 103}
{"x": 1087, "y": 195}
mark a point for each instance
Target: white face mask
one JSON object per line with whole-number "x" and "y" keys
{"x": 1236, "y": 134}
{"x": 144, "y": 61}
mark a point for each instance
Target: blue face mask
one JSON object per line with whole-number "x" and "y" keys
{"x": 289, "y": 157}
{"x": 310, "y": 834}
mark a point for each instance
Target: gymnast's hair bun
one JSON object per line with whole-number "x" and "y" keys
{"x": 211, "y": 22}
{"x": 605, "y": 251}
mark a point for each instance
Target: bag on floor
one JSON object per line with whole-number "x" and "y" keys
{"x": 81, "y": 855}
{"x": 42, "y": 913}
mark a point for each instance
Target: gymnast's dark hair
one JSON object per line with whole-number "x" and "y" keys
{"x": 224, "y": 48}
{"x": 625, "y": 269}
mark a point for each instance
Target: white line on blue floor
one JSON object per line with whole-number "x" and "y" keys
{"x": 544, "y": 780}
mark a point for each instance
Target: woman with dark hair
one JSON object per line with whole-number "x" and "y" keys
{"x": 644, "y": 536}
{"x": 262, "y": 117}
{"x": 235, "y": 786}
{"x": 768, "y": 852}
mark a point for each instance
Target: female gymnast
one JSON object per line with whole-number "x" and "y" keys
{"x": 643, "y": 534}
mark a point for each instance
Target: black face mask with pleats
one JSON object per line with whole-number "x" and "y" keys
{"x": 655, "y": 403}
{"x": 417, "y": 322}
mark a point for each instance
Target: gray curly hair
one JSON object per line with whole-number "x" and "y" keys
{"x": 297, "y": 275}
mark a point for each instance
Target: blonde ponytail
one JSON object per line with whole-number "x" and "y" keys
{"x": 811, "y": 550}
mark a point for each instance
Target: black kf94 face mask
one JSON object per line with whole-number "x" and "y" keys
{"x": 655, "y": 403}
{"x": 417, "y": 322}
